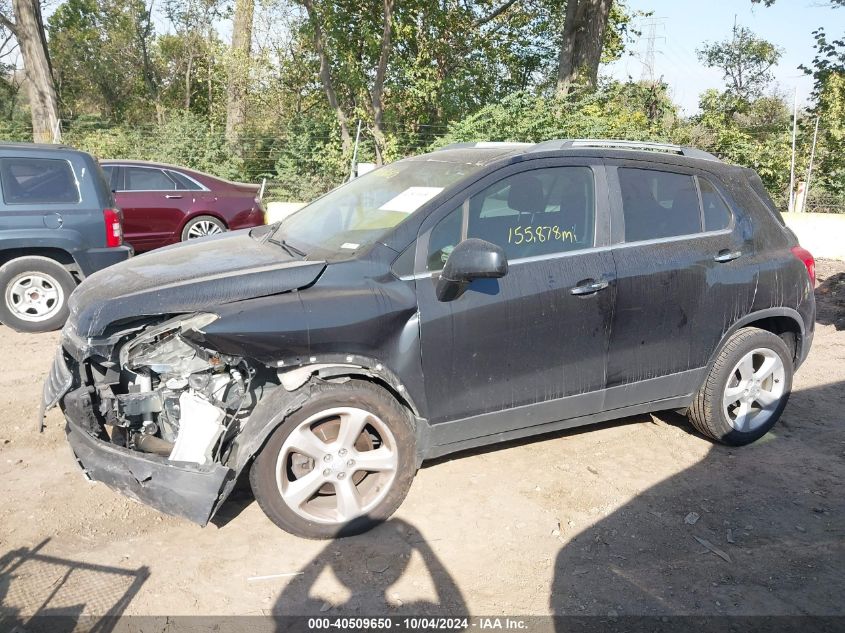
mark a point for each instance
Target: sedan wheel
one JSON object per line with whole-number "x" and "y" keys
{"x": 202, "y": 226}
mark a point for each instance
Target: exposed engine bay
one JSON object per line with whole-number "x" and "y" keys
{"x": 163, "y": 393}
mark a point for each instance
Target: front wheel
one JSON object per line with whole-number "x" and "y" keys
{"x": 746, "y": 390}
{"x": 338, "y": 466}
{"x": 202, "y": 226}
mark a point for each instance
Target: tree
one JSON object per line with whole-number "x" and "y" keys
{"x": 582, "y": 42}
{"x": 326, "y": 75}
{"x": 377, "y": 91}
{"x": 101, "y": 59}
{"x": 195, "y": 39}
{"x": 745, "y": 61}
{"x": 28, "y": 29}
{"x": 238, "y": 69}
{"x": 828, "y": 71}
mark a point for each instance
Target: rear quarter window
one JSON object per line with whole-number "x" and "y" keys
{"x": 38, "y": 181}
{"x": 717, "y": 214}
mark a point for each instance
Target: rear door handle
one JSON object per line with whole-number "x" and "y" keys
{"x": 727, "y": 256}
{"x": 589, "y": 288}
{"x": 171, "y": 196}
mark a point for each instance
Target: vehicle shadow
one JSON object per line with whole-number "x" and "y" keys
{"x": 40, "y": 592}
{"x": 361, "y": 575}
{"x": 830, "y": 301}
{"x": 756, "y": 530}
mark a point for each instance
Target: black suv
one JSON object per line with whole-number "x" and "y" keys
{"x": 58, "y": 224}
{"x": 465, "y": 297}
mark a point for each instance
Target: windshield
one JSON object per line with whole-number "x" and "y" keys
{"x": 360, "y": 212}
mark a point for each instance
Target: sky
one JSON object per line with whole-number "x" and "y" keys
{"x": 685, "y": 24}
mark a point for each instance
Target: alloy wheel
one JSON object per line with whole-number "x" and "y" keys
{"x": 337, "y": 465}
{"x": 204, "y": 228}
{"x": 754, "y": 390}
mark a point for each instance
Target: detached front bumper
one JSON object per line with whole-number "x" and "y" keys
{"x": 184, "y": 490}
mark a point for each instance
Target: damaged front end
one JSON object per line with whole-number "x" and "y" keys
{"x": 153, "y": 414}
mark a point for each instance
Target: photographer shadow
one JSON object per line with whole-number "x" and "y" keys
{"x": 374, "y": 573}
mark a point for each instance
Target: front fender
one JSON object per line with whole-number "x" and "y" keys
{"x": 279, "y": 403}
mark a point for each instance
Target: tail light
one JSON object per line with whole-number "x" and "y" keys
{"x": 114, "y": 227}
{"x": 807, "y": 259}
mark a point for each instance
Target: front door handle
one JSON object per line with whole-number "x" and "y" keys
{"x": 171, "y": 196}
{"x": 727, "y": 256}
{"x": 589, "y": 288}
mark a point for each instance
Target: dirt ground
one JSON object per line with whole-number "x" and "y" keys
{"x": 594, "y": 522}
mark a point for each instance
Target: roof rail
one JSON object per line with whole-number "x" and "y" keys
{"x": 484, "y": 144}
{"x": 647, "y": 146}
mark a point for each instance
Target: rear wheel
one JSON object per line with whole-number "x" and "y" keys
{"x": 341, "y": 464}
{"x": 202, "y": 226}
{"x": 747, "y": 388}
{"x": 35, "y": 293}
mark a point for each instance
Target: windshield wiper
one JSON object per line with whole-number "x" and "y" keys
{"x": 291, "y": 250}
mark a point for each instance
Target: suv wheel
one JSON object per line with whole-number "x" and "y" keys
{"x": 35, "y": 294}
{"x": 202, "y": 226}
{"x": 338, "y": 466}
{"x": 747, "y": 388}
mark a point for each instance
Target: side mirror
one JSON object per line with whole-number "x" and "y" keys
{"x": 471, "y": 259}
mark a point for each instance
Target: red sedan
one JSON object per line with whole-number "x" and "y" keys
{"x": 163, "y": 204}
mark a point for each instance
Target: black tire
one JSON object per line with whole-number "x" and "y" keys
{"x": 45, "y": 271}
{"x": 199, "y": 221}
{"x": 707, "y": 413}
{"x": 324, "y": 396}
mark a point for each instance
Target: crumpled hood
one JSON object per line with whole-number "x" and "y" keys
{"x": 187, "y": 277}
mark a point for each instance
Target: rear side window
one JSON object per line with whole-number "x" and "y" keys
{"x": 147, "y": 179}
{"x": 183, "y": 182}
{"x": 717, "y": 215}
{"x": 38, "y": 181}
{"x": 658, "y": 204}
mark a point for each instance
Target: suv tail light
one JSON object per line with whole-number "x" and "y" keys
{"x": 114, "y": 227}
{"x": 807, "y": 259}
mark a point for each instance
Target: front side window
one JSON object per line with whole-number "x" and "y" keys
{"x": 147, "y": 179}
{"x": 717, "y": 215}
{"x": 658, "y": 204}
{"x": 364, "y": 210}
{"x": 443, "y": 239}
{"x": 538, "y": 212}
{"x": 38, "y": 181}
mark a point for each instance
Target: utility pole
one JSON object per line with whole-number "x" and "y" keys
{"x": 352, "y": 165}
{"x": 792, "y": 164}
{"x": 810, "y": 168}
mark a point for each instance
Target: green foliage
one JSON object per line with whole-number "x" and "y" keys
{"x": 183, "y": 139}
{"x": 745, "y": 61}
{"x": 616, "y": 110}
{"x": 133, "y": 85}
{"x": 828, "y": 71}
{"x": 96, "y": 57}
